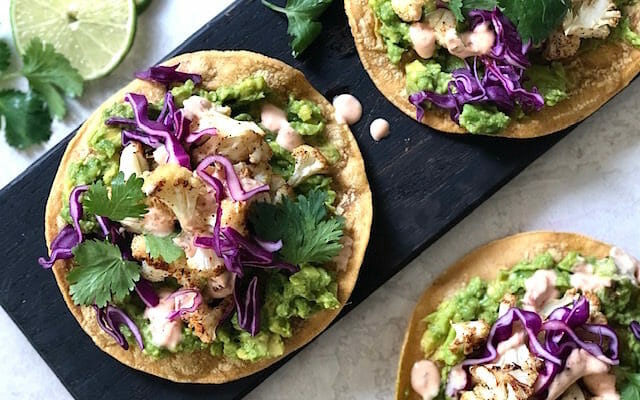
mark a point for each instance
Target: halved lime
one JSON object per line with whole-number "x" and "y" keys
{"x": 93, "y": 34}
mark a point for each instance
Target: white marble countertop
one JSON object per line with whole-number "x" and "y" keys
{"x": 587, "y": 183}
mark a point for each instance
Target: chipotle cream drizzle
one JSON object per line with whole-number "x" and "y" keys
{"x": 379, "y": 129}
{"x": 423, "y": 39}
{"x": 425, "y": 379}
{"x": 348, "y": 109}
{"x": 275, "y": 120}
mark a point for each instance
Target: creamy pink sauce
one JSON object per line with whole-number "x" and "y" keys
{"x": 602, "y": 385}
{"x": 158, "y": 222}
{"x": 348, "y": 109}
{"x": 425, "y": 379}
{"x": 540, "y": 288}
{"x": 379, "y": 129}
{"x": 583, "y": 278}
{"x": 423, "y": 39}
{"x": 517, "y": 339}
{"x": 164, "y": 333}
{"x": 275, "y": 120}
{"x": 470, "y": 44}
{"x": 456, "y": 381}
{"x": 627, "y": 265}
{"x": 579, "y": 364}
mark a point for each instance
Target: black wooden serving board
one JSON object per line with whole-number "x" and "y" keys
{"x": 423, "y": 183}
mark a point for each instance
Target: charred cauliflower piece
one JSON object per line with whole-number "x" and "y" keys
{"x": 183, "y": 193}
{"x": 512, "y": 378}
{"x": 205, "y": 319}
{"x": 591, "y": 18}
{"x": 159, "y": 219}
{"x": 309, "y": 161}
{"x": 132, "y": 160}
{"x": 408, "y": 10}
{"x": 240, "y": 146}
{"x": 560, "y": 46}
{"x": 469, "y": 335}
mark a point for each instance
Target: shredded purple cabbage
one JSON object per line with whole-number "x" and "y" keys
{"x": 168, "y": 135}
{"x": 195, "y": 136}
{"x": 61, "y": 247}
{"x": 248, "y": 306}
{"x": 111, "y": 318}
{"x": 146, "y": 293}
{"x": 565, "y": 329}
{"x": 192, "y": 298}
{"x": 493, "y": 79}
{"x": 635, "y": 329}
{"x": 236, "y": 190}
{"x": 167, "y": 75}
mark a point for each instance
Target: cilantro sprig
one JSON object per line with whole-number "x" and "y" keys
{"x": 535, "y": 19}
{"x": 163, "y": 247}
{"x": 302, "y": 16}
{"x": 308, "y": 234}
{"x": 124, "y": 200}
{"x": 101, "y": 274}
{"x": 28, "y": 115}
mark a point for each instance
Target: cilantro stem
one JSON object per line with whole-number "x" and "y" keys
{"x": 274, "y": 7}
{"x": 10, "y": 76}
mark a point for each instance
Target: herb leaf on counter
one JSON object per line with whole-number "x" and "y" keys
{"x": 308, "y": 234}
{"x": 302, "y": 18}
{"x": 50, "y": 73}
{"x": 126, "y": 200}
{"x": 26, "y": 120}
{"x": 100, "y": 273}
{"x": 5, "y": 56}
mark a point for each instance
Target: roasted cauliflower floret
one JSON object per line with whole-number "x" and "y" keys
{"x": 408, "y": 10}
{"x": 132, "y": 160}
{"x": 205, "y": 319}
{"x": 205, "y": 114}
{"x": 591, "y": 18}
{"x": 309, "y": 161}
{"x": 239, "y": 146}
{"x": 159, "y": 219}
{"x": 512, "y": 377}
{"x": 469, "y": 335}
{"x": 560, "y": 46}
{"x": 183, "y": 193}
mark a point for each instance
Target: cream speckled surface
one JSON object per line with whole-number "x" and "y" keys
{"x": 588, "y": 183}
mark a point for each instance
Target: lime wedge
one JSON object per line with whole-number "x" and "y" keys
{"x": 93, "y": 34}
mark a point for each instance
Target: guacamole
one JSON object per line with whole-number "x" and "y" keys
{"x": 550, "y": 80}
{"x": 393, "y": 30}
{"x": 483, "y": 119}
{"x": 427, "y": 76}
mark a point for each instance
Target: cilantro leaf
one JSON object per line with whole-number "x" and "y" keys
{"x": 5, "y": 56}
{"x": 163, "y": 247}
{"x": 25, "y": 118}
{"x": 126, "y": 200}
{"x": 630, "y": 389}
{"x": 100, "y": 274}
{"x": 301, "y": 17}
{"x": 460, "y": 8}
{"x": 308, "y": 235}
{"x": 535, "y": 19}
{"x": 50, "y": 74}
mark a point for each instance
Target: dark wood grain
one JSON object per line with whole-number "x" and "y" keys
{"x": 423, "y": 183}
